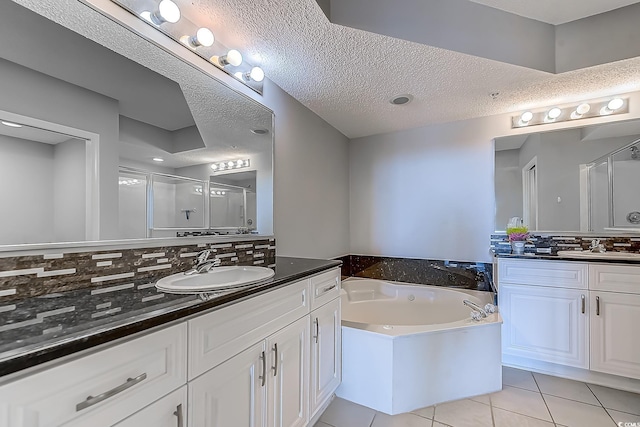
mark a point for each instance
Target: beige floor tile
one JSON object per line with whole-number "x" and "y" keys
{"x": 482, "y": 399}
{"x": 618, "y": 400}
{"x": 504, "y": 418}
{"x": 464, "y": 413}
{"x": 437, "y": 424}
{"x": 342, "y": 413}
{"x": 577, "y": 414}
{"x": 425, "y": 412}
{"x": 569, "y": 389}
{"x": 623, "y": 417}
{"x": 321, "y": 424}
{"x": 523, "y": 402}
{"x": 401, "y": 420}
{"x": 518, "y": 378}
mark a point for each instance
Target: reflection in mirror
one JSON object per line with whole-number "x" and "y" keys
{"x": 137, "y": 122}
{"x": 43, "y": 174}
{"x": 582, "y": 179}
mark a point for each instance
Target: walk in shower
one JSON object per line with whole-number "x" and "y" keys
{"x": 155, "y": 204}
{"x": 612, "y": 190}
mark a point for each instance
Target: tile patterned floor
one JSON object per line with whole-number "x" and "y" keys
{"x": 527, "y": 400}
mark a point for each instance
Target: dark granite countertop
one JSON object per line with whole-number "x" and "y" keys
{"x": 40, "y": 329}
{"x": 555, "y": 257}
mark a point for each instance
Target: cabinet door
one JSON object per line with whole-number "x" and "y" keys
{"x": 288, "y": 401}
{"x": 547, "y": 324}
{"x": 615, "y": 348}
{"x": 170, "y": 411}
{"x": 233, "y": 393}
{"x": 326, "y": 353}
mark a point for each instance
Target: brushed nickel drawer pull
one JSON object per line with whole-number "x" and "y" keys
{"x": 583, "y": 304}
{"x": 91, "y": 400}
{"x": 317, "y": 329}
{"x": 275, "y": 360}
{"x": 178, "y": 413}
{"x": 263, "y": 377}
{"x": 597, "y": 306}
{"x": 326, "y": 289}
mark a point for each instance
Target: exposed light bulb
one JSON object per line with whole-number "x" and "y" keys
{"x": 167, "y": 11}
{"x": 214, "y": 166}
{"x": 239, "y": 163}
{"x": 615, "y": 104}
{"x": 233, "y": 57}
{"x": 554, "y": 113}
{"x": 246, "y": 163}
{"x": 11, "y": 124}
{"x": 230, "y": 164}
{"x": 580, "y": 111}
{"x": 526, "y": 117}
{"x": 256, "y": 74}
{"x": 204, "y": 37}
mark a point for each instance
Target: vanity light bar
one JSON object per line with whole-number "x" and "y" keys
{"x": 166, "y": 18}
{"x": 570, "y": 112}
{"x": 230, "y": 164}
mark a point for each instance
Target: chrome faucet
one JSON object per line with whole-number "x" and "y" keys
{"x": 596, "y": 246}
{"x": 203, "y": 263}
{"x": 478, "y": 312}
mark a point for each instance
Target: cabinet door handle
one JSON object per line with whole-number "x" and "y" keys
{"x": 583, "y": 304}
{"x": 326, "y": 289}
{"x": 91, "y": 400}
{"x": 178, "y": 413}
{"x": 263, "y": 377}
{"x": 597, "y": 306}
{"x": 317, "y": 325}
{"x": 275, "y": 360}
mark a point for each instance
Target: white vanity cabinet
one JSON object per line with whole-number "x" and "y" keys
{"x": 244, "y": 365}
{"x": 102, "y": 388}
{"x": 615, "y": 315}
{"x": 326, "y": 339}
{"x": 544, "y": 307}
{"x": 571, "y": 314}
{"x": 326, "y": 353}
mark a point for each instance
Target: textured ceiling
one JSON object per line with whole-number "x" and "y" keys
{"x": 556, "y": 12}
{"x": 347, "y": 76}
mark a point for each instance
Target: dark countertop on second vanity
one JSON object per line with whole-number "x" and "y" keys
{"x": 553, "y": 257}
{"x": 25, "y": 347}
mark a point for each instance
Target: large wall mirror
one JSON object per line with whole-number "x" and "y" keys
{"x": 573, "y": 180}
{"x": 96, "y": 146}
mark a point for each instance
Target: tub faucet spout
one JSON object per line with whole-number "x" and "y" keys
{"x": 476, "y": 308}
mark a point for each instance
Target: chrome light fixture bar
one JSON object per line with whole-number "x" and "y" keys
{"x": 165, "y": 16}
{"x": 571, "y": 112}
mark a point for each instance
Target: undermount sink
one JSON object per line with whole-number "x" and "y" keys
{"x": 600, "y": 255}
{"x": 216, "y": 279}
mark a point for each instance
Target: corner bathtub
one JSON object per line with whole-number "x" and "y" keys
{"x": 405, "y": 347}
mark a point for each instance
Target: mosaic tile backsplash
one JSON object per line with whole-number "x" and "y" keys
{"x": 551, "y": 244}
{"x": 115, "y": 269}
{"x": 450, "y": 274}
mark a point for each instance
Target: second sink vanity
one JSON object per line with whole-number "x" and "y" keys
{"x": 572, "y": 318}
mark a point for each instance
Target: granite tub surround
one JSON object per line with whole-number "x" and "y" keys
{"x": 552, "y": 243}
{"x": 450, "y": 274}
{"x": 35, "y": 275}
{"x": 39, "y": 329}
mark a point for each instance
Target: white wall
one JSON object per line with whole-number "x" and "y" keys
{"x": 26, "y": 201}
{"x": 69, "y": 204}
{"x": 429, "y": 192}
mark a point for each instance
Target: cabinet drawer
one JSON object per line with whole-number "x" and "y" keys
{"x": 163, "y": 413}
{"x": 217, "y": 336}
{"x": 134, "y": 374}
{"x": 615, "y": 278}
{"x": 543, "y": 273}
{"x": 324, "y": 288}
